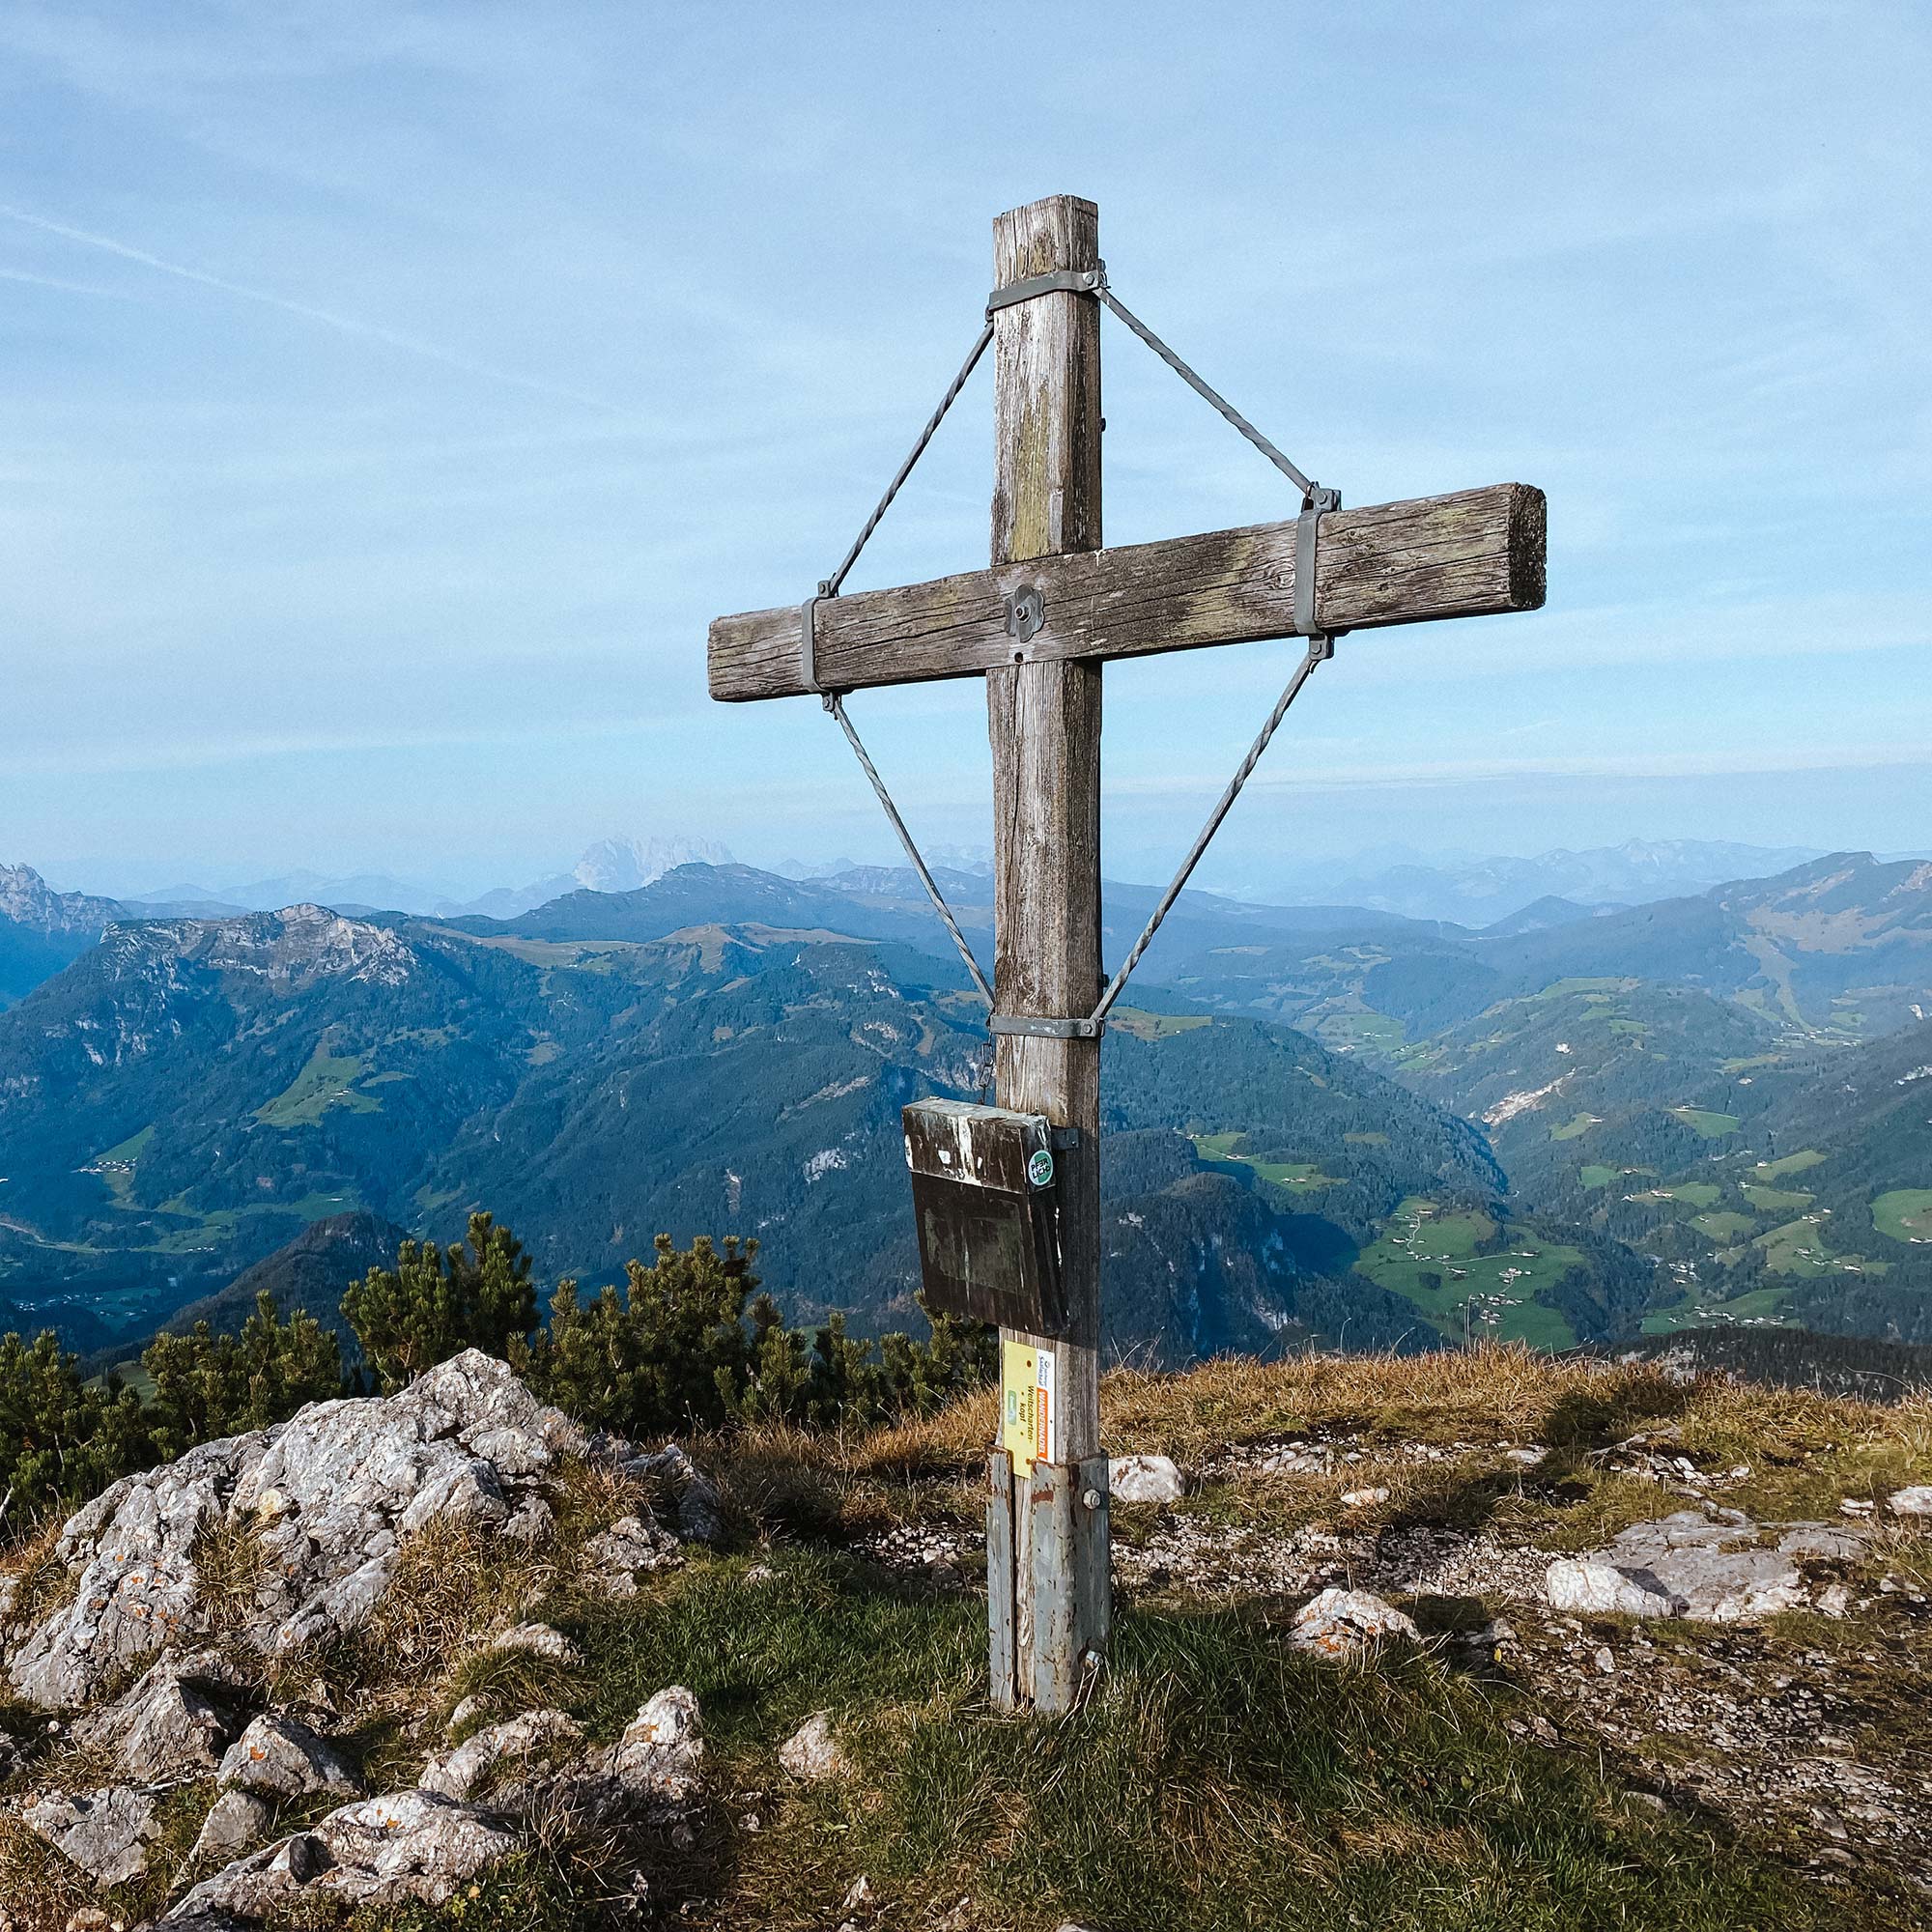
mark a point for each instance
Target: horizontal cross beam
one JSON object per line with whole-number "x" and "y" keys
{"x": 1472, "y": 554}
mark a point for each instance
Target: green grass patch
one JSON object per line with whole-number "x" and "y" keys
{"x": 1800, "y": 1248}
{"x": 1760, "y": 1304}
{"x": 1599, "y": 989}
{"x": 1370, "y": 1139}
{"x": 1430, "y": 1259}
{"x": 1905, "y": 1213}
{"x": 115, "y": 1165}
{"x": 1702, "y": 1120}
{"x": 1216, "y": 1780}
{"x": 1774, "y": 1200}
{"x": 1144, "y": 1025}
{"x": 1792, "y": 1163}
{"x": 1296, "y": 1174}
{"x": 326, "y": 1082}
{"x": 1576, "y": 1126}
{"x": 1596, "y": 1174}
{"x": 1698, "y": 1194}
{"x": 1724, "y": 1226}
{"x": 1348, "y": 1032}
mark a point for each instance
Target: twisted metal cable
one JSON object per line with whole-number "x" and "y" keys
{"x": 1211, "y": 396}
{"x": 835, "y": 704}
{"x": 830, "y": 588}
{"x": 1318, "y": 654}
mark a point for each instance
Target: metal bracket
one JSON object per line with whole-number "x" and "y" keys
{"x": 808, "y": 642}
{"x": 1026, "y": 612}
{"x": 1307, "y": 534}
{"x": 1028, "y": 1027}
{"x": 1061, "y": 281}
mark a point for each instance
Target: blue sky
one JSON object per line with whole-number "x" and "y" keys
{"x": 390, "y": 395}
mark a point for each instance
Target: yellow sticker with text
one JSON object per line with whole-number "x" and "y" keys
{"x": 1019, "y": 1404}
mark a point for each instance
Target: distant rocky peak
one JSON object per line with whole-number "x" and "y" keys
{"x": 623, "y": 865}
{"x": 290, "y": 949}
{"x": 26, "y": 900}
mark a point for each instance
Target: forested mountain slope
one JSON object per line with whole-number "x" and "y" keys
{"x": 187, "y": 1097}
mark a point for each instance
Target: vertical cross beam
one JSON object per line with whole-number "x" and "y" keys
{"x": 1045, "y": 723}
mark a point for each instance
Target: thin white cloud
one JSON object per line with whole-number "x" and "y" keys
{"x": 65, "y": 287}
{"x": 346, "y": 325}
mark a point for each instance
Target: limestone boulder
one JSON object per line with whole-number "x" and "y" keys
{"x": 329, "y": 1496}
{"x": 1343, "y": 1624}
{"x": 107, "y": 1833}
{"x": 407, "y": 1847}
{"x": 811, "y": 1753}
{"x": 281, "y": 1759}
{"x": 1144, "y": 1479}
{"x": 630, "y": 1548}
{"x": 174, "y": 1722}
{"x": 503, "y": 1760}
{"x": 1710, "y": 1568}
{"x": 133, "y": 1546}
{"x": 236, "y": 1821}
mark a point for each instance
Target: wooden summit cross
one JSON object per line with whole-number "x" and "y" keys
{"x": 1038, "y": 625}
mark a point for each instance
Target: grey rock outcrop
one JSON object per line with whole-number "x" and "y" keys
{"x": 630, "y": 1548}
{"x": 330, "y": 1495}
{"x": 537, "y": 1640}
{"x": 1708, "y": 1568}
{"x": 237, "y": 1820}
{"x": 280, "y": 1759}
{"x": 107, "y": 1833}
{"x": 659, "y": 1762}
{"x": 139, "y": 1588}
{"x": 1144, "y": 1479}
{"x": 405, "y": 1847}
{"x": 811, "y": 1753}
{"x": 175, "y": 1721}
{"x": 1344, "y": 1624}
{"x": 700, "y": 1509}
{"x": 504, "y": 1759}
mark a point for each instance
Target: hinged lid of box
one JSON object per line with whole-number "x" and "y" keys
{"x": 987, "y": 1203}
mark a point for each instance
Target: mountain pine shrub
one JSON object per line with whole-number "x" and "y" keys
{"x": 62, "y": 1439}
{"x": 691, "y": 1344}
{"x": 209, "y": 1385}
{"x": 438, "y": 1301}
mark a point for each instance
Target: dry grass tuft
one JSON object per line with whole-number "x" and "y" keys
{"x": 47, "y": 1584}
{"x": 39, "y": 1889}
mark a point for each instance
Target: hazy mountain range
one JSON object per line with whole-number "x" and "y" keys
{"x": 1481, "y": 891}
{"x": 1322, "y": 1119}
{"x": 610, "y": 866}
{"x": 1465, "y": 890}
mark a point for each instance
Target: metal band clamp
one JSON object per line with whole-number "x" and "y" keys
{"x": 1061, "y": 281}
{"x": 1030, "y": 1027}
{"x": 1307, "y": 534}
{"x": 808, "y": 642}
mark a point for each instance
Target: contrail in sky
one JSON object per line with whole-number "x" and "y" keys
{"x": 66, "y": 287}
{"x": 348, "y": 325}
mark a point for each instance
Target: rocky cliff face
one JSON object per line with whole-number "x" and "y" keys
{"x": 41, "y": 930}
{"x": 26, "y": 901}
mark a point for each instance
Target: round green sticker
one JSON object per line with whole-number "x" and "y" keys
{"x": 1039, "y": 1169}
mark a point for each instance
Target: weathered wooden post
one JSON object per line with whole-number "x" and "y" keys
{"x": 1044, "y": 722}
{"x": 1008, "y": 1198}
